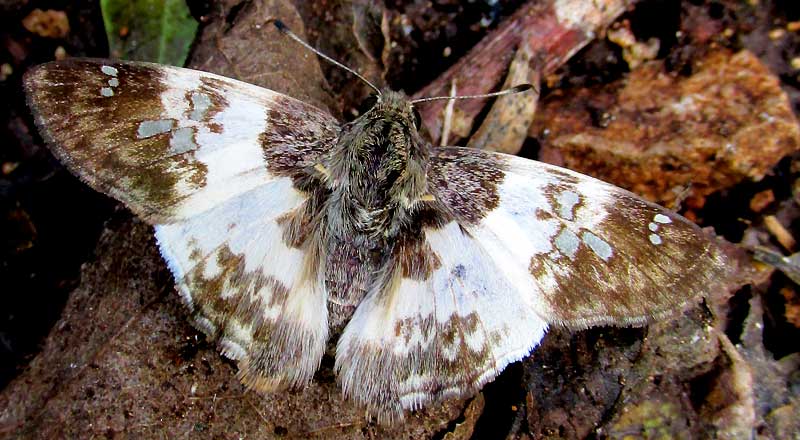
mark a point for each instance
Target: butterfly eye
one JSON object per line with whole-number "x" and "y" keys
{"x": 417, "y": 118}
{"x": 367, "y": 104}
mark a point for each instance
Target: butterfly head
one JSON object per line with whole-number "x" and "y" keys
{"x": 392, "y": 105}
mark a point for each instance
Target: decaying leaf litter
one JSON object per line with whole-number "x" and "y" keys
{"x": 571, "y": 374}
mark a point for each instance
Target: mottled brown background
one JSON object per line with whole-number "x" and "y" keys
{"x": 93, "y": 339}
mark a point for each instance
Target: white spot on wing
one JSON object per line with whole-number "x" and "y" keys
{"x": 655, "y": 239}
{"x": 108, "y": 70}
{"x": 567, "y": 243}
{"x": 113, "y": 82}
{"x": 597, "y": 245}
{"x": 182, "y": 141}
{"x": 151, "y": 128}
{"x": 661, "y": 218}
{"x": 200, "y": 105}
{"x": 567, "y": 201}
{"x": 652, "y": 226}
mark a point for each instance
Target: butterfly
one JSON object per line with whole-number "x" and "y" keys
{"x": 431, "y": 269}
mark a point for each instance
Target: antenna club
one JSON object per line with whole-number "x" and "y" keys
{"x": 281, "y": 27}
{"x": 521, "y": 88}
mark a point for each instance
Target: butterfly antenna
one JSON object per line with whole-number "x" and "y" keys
{"x": 516, "y": 89}
{"x": 286, "y": 31}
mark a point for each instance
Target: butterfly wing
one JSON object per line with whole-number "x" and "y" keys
{"x": 441, "y": 325}
{"x": 514, "y": 245}
{"x": 590, "y": 252}
{"x": 219, "y": 166}
{"x": 171, "y": 142}
{"x": 251, "y": 288}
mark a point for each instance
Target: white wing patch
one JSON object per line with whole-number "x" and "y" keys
{"x": 418, "y": 341}
{"x": 249, "y": 289}
{"x": 517, "y": 230}
{"x": 223, "y": 136}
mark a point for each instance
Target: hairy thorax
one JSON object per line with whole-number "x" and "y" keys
{"x": 376, "y": 179}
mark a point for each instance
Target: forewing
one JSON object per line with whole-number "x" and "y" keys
{"x": 440, "y": 325}
{"x": 587, "y": 252}
{"x": 223, "y": 170}
{"x": 170, "y": 142}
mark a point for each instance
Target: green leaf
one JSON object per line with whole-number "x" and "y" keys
{"x": 161, "y": 31}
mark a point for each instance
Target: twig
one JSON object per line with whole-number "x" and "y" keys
{"x": 780, "y": 233}
{"x": 555, "y": 30}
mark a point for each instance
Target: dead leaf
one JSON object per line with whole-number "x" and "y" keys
{"x": 48, "y": 24}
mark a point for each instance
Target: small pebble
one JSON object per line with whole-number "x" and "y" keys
{"x": 776, "y": 34}
{"x": 5, "y": 71}
{"x": 60, "y": 53}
